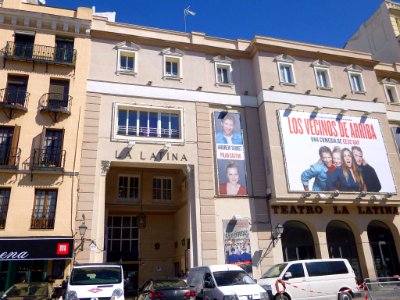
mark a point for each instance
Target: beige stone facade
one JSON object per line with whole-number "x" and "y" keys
{"x": 44, "y": 66}
{"x": 148, "y": 172}
{"x": 256, "y": 80}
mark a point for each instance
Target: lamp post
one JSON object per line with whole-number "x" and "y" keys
{"x": 82, "y": 230}
{"x": 277, "y": 233}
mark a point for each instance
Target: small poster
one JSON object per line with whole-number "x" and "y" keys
{"x": 237, "y": 243}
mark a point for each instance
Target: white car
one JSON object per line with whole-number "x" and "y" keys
{"x": 311, "y": 279}
{"x": 224, "y": 282}
{"x": 96, "y": 281}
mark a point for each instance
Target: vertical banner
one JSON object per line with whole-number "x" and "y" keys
{"x": 230, "y": 158}
{"x": 237, "y": 243}
{"x": 325, "y": 152}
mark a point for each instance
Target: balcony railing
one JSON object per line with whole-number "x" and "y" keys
{"x": 42, "y": 219}
{"x": 9, "y": 157}
{"x": 40, "y": 53}
{"x": 45, "y": 158}
{"x": 14, "y": 98}
{"x": 56, "y": 102}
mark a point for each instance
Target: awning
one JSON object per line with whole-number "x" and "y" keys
{"x": 36, "y": 248}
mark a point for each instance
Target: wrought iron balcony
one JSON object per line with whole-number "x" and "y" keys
{"x": 49, "y": 159}
{"x": 14, "y": 98}
{"x": 9, "y": 157}
{"x": 42, "y": 219}
{"x": 56, "y": 102}
{"x": 39, "y": 53}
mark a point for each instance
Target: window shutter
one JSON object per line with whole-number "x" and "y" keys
{"x": 14, "y": 146}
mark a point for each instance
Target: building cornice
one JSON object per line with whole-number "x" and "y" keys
{"x": 197, "y": 41}
{"x": 38, "y": 21}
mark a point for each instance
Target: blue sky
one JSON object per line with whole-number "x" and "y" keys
{"x": 323, "y": 22}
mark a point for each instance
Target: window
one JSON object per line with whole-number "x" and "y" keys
{"x": 4, "y": 200}
{"x": 127, "y": 54}
{"x": 138, "y": 122}
{"x": 322, "y": 78}
{"x": 356, "y": 80}
{"x": 15, "y": 93}
{"x": 8, "y": 146}
{"x": 64, "y": 50}
{"x": 296, "y": 270}
{"x": 326, "y": 268}
{"x": 122, "y": 238}
{"x": 223, "y": 70}
{"x": 51, "y": 155}
{"x": 58, "y": 97}
{"x": 44, "y": 210}
{"x": 162, "y": 189}
{"x": 172, "y": 59}
{"x": 285, "y": 69}
{"x": 128, "y": 188}
{"x": 321, "y": 70}
{"x": 396, "y": 133}
{"x": 391, "y": 94}
{"x": 127, "y": 61}
{"x": 390, "y": 86}
{"x": 24, "y": 44}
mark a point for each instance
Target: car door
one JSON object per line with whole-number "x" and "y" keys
{"x": 296, "y": 284}
{"x": 208, "y": 287}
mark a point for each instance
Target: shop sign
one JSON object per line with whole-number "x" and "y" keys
{"x": 162, "y": 155}
{"x": 334, "y": 209}
{"x": 35, "y": 248}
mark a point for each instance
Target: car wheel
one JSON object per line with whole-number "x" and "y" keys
{"x": 345, "y": 296}
{"x": 282, "y": 297}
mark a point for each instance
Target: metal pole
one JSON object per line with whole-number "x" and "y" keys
{"x": 184, "y": 19}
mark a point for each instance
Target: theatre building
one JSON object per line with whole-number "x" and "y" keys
{"x": 43, "y": 68}
{"x": 200, "y": 150}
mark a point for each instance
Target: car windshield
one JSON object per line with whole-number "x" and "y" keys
{"x": 95, "y": 275}
{"x": 274, "y": 271}
{"x": 224, "y": 278}
{"x": 168, "y": 284}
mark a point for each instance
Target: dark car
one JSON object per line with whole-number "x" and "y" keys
{"x": 28, "y": 291}
{"x": 165, "y": 289}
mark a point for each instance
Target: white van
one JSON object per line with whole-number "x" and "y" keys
{"x": 223, "y": 282}
{"x": 96, "y": 281}
{"x": 311, "y": 279}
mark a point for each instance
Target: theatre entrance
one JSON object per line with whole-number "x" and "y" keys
{"x": 341, "y": 244}
{"x": 147, "y": 222}
{"x": 297, "y": 241}
{"x": 383, "y": 250}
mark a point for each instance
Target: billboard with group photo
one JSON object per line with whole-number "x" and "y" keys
{"x": 325, "y": 152}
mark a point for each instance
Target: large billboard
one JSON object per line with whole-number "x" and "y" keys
{"x": 325, "y": 152}
{"x": 230, "y": 158}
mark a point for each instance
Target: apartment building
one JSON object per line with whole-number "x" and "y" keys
{"x": 200, "y": 150}
{"x": 43, "y": 69}
{"x": 379, "y": 34}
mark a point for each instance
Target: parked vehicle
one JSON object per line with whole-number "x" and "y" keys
{"x": 311, "y": 279}
{"x": 166, "y": 289}
{"x": 96, "y": 281}
{"x": 28, "y": 291}
{"x": 224, "y": 282}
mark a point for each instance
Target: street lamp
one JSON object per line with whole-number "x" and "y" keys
{"x": 277, "y": 233}
{"x": 82, "y": 230}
